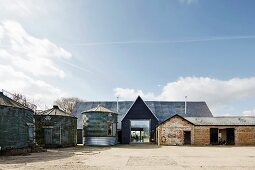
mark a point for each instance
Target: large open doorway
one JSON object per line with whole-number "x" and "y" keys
{"x": 140, "y": 131}
{"x": 222, "y": 136}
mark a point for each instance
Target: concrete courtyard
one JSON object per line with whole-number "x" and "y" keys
{"x": 143, "y": 156}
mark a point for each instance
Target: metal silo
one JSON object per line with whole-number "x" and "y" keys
{"x": 100, "y": 126}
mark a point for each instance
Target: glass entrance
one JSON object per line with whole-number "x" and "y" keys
{"x": 140, "y": 131}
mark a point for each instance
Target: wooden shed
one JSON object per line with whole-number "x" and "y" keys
{"x": 100, "y": 126}
{"x": 178, "y": 130}
{"x": 55, "y": 128}
{"x": 16, "y": 125}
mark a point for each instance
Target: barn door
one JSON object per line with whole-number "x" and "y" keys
{"x": 230, "y": 136}
{"x": 214, "y": 134}
{"x": 48, "y": 136}
{"x": 187, "y": 138}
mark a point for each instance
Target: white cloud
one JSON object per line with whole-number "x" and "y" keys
{"x": 24, "y": 8}
{"x": 30, "y": 54}
{"x": 217, "y": 93}
{"x": 131, "y": 94}
{"x": 249, "y": 112}
{"x": 41, "y": 92}
{"x": 27, "y": 61}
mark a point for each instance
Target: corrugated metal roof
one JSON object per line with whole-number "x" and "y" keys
{"x": 162, "y": 109}
{"x": 6, "y": 101}
{"x": 99, "y": 108}
{"x": 54, "y": 111}
{"x": 222, "y": 121}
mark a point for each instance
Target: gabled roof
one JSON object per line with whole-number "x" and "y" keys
{"x": 139, "y": 99}
{"x": 54, "y": 111}
{"x": 218, "y": 121}
{"x": 175, "y": 116}
{"x": 162, "y": 109}
{"x": 6, "y": 101}
{"x": 222, "y": 121}
{"x": 99, "y": 108}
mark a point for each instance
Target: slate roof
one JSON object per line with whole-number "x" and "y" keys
{"x": 224, "y": 121}
{"x": 99, "y": 108}
{"x": 6, "y": 101}
{"x": 54, "y": 111}
{"x": 162, "y": 109}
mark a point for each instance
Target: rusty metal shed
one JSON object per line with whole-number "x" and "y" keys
{"x": 16, "y": 124}
{"x": 55, "y": 128}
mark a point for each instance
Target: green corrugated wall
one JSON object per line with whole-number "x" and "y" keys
{"x": 14, "y": 128}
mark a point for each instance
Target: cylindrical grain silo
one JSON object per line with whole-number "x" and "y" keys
{"x": 16, "y": 125}
{"x": 55, "y": 128}
{"x": 100, "y": 126}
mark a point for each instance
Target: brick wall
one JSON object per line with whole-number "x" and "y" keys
{"x": 171, "y": 132}
{"x": 245, "y": 135}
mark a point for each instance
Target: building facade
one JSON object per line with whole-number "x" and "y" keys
{"x": 55, "y": 128}
{"x": 178, "y": 130}
{"x": 16, "y": 125}
{"x": 137, "y": 119}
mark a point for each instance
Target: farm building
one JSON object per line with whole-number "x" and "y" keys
{"x": 100, "y": 126}
{"x": 55, "y": 128}
{"x": 178, "y": 130}
{"x": 137, "y": 119}
{"x": 16, "y": 125}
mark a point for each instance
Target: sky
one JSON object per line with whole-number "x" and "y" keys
{"x": 161, "y": 50}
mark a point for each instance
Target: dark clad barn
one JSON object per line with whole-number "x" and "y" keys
{"x": 16, "y": 124}
{"x": 55, "y": 128}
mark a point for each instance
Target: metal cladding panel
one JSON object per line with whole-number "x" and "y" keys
{"x": 14, "y": 127}
{"x": 64, "y": 130}
{"x": 100, "y": 141}
{"x": 96, "y": 123}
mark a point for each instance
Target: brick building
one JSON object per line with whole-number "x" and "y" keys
{"x": 178, "y": 130}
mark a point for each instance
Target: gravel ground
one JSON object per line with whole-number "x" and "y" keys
{"x": 141, "y": 156}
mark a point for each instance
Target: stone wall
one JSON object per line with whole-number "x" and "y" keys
{"x": 171, "y": 132}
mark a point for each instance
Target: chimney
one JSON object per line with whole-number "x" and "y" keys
{"x": 117, "y": 105}
{"x": 185, "y": 105}
{"x": 55, "y": 107}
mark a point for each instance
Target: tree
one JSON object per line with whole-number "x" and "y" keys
{"x": 67, "y": 104}
{"x": 23, "y": 100}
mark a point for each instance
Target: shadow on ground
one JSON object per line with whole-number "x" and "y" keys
{"x": 52, "y": 154}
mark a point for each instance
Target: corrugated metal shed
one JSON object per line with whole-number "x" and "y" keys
{"x": 55, "y": 128}
{"x": 222, "y": 121}
{"x": 162, "y": 109}
{"x": 16, "y": 124}
{"x": 6, "y": 101}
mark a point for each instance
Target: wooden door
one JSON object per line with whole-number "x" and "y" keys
{"x": 48, "y": 136}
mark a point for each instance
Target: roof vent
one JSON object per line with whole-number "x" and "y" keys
{"x": 55, "y": 107}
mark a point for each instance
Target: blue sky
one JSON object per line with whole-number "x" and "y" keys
{"x": 161, "y": 50}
